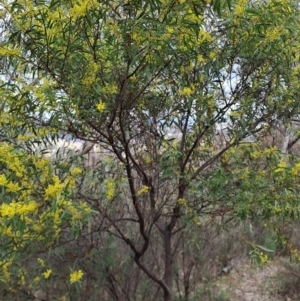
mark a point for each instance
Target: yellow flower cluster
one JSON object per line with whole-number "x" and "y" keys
{"x": 13, "y": 208}
{"x": 55, "y": 15}
{"x": 5, "y": 275}
{"x": 265, "y": 152}
{"x": 80, "y": 8}
{"x": 143, "y": 190}
{"x": 272, "y": 34}
{"x": 204, "y": 36}
{"x": 38, "y": 222}
{"x": 213, "y": 55}
{"x": 136, "y": 37}
{"x": 3, "y": 180}
{"x": 235, "y": 114}
{"x": 295, "y": 169}
{"x": 91, "y": 74}
{"x": 263, "y": 257}
{"x": 13, "y": 187}
{"x": 294, "y": 252}
{"x": 41, "y": 163}
{"x": 9, "y": 51}
{"x": 200, "y": 59}
{"x": 76, "y": 276}
{"x": 12, "y": 159}
{"x": 54, "y": 190}
{"x": 110, "y": 89}
{"x": 240, "y": 7}
{"x": 186, "y": 91}
{"x": 47, "y": 274}
{"x": 281, "y": 166}
{"x": 75, "y": 171}
{"x": 192, "y": 17}
{"x": 25, "y": 137}
{"x": 110, "y": 189}
{"x": 101, "y": 107}
{"x": 41, "y": 262}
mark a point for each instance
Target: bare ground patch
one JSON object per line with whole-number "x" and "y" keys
{"x": 278, "y": 280}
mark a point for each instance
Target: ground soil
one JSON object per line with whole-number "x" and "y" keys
{"x": 274, "y": 281}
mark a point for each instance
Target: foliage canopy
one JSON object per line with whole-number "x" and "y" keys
{"x": 167, "y": 91}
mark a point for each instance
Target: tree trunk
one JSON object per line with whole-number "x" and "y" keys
{"x": 168, "y": 277}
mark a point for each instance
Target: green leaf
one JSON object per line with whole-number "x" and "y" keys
{"x": 265, "y": 249}
{"x": 158, "y": 59}
{"x": 217, "y": 7}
